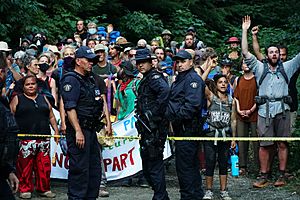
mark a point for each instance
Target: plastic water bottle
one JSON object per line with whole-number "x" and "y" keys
{"x": 234, "y": 165}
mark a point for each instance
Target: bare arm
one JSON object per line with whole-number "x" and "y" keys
{"x": 52, "y": 121}
{"x": 255, "y": 44}
{"x": 210, "y": 64}
{"x": 208, "y": 95}
{"x": 16, "y": 75}
{"x": 245, "y": 26}
{"x": 62, "y": 114}
{"x": 13, "y": 104}
{"x": 233, "y": 123}
{"x": 107, "y": 116}
{"x": 53, "y": 90}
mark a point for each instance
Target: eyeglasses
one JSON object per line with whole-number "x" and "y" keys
{"x": 35, "y": 104}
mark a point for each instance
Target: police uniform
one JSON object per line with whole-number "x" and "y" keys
{"x": 80, "y": 93}
{"x": 184, "y": 111}
{"x": 151, "y": 102}
{"x": 6, "y": 157}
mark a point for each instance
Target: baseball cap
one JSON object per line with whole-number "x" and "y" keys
{"x": 100, "y": 47}
{"x": 182, "y": 55}
{"x": 85, "y": 52}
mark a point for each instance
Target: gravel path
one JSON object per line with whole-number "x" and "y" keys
{"x": 239, "y": 188}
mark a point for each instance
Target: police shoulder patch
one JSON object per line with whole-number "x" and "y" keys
{"x": 67, "y": 88}
{"x": 194, "y": 84}
{"x": 156, "y": 76}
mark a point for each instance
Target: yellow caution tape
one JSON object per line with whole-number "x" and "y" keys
{"x": 185, "y": 138}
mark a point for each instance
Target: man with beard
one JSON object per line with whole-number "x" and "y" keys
{"x": 199, "y": 44}
{"x": 165, "y": 62}
{"x": 273, "y": 103}
{"x": 244, "y": 94}
{"x": 293, "y": 92}
{"x": 84, "y": 106}
{"x": 189, "y": 42}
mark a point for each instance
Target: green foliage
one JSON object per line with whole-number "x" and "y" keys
{"x": 136, "y": 25}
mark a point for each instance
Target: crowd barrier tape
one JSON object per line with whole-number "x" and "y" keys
{"x": 288, "y": 139}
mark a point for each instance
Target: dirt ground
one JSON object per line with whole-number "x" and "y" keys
{"x": 239, "y": 188}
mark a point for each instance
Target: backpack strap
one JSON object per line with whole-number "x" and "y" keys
{"x": 266, "y": 71}
{"x": 282, "y": 71}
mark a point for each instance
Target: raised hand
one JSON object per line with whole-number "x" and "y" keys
{"x": 246, "y": 22}
{"x": 255, "y": 30}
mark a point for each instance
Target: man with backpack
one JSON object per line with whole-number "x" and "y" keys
{"x": 273, "y": 103}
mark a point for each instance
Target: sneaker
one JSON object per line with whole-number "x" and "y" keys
{"x": 25, "y": 195}
{"x": 208, "y": 195}
{"x": 47, "y": 194}
{"x": 280, "y": 181}
{"x": 224, "y": 195}
{"x": 103, "y": 192}
{"x": 261, "y": 182}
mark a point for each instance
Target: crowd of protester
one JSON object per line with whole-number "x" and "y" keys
{"x": 31, "y": 82}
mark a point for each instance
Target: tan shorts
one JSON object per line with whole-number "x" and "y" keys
{"x": 279, "y": 127}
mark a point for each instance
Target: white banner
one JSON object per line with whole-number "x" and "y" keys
{"x": 121, "y": 160}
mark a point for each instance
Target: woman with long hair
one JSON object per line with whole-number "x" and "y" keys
{"x": 222, "y": 123}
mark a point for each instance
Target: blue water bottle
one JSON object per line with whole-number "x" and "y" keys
{"x": 234, "y": 164}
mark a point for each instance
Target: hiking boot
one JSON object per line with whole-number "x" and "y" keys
{"x": 208, "y": 195}
{"x": 224, "y": 195}
{"x": 25, "y": 195}
{"x": 280, "y": 181}
{"x": 47, "y": 194}
{"x": 261, "y": 182}
{"x": 103, "y": 192}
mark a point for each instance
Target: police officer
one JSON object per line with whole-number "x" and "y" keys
{"x": 183, "y": 110}
{"x": 9, "y": 182}
{"x": 152, "y": 98}
{"x": 84, "y": 106}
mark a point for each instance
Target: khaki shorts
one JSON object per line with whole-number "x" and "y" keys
{"x": 279, "y": 127}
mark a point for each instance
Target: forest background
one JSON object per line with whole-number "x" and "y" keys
{"x": 215, "y": 21}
